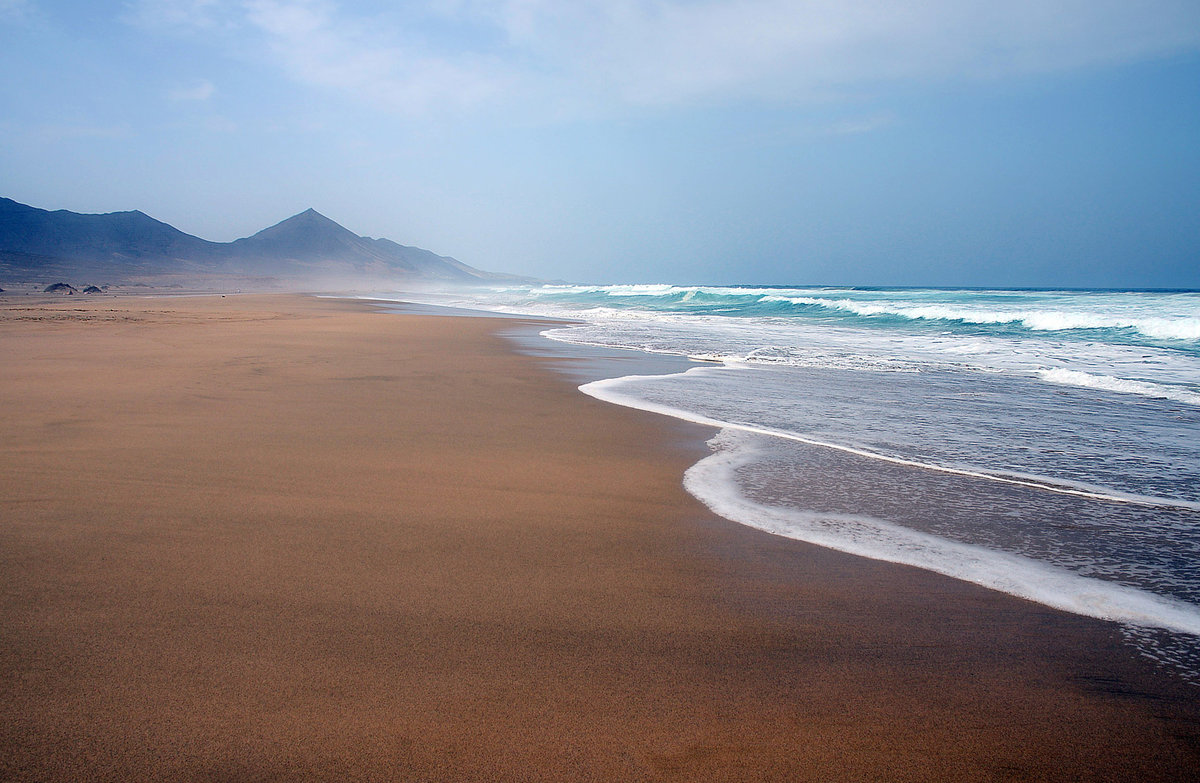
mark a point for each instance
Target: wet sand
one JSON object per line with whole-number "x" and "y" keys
{"x": 284, "y": 538}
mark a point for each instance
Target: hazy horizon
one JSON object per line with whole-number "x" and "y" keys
{"x": 1049, "y": 144}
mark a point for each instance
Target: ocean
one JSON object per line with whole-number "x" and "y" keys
{"x": 1042, "y": 443}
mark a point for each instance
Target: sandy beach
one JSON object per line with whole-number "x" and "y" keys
{"x": 256, "y": 538}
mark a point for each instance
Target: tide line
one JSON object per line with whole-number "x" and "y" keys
{"x": 606, "y": 391}
{"x": 712, "y": 481}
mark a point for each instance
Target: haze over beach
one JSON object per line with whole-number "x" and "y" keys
{"x": 1042, "y": 143}
{"x": 638, "y": 390}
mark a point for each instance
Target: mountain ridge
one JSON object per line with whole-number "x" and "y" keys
{"x": 306, "y": 247}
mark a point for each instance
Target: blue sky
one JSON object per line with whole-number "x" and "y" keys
{"x": 1051, "y": 143}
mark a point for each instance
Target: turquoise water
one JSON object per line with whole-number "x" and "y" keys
{"x": 1043, "y": 443}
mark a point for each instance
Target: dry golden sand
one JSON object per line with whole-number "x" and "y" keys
{"x": 284, "y": 538}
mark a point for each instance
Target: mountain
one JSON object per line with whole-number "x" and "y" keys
{"x": 117, "y": 236}
{"x": 305, "y": 248}
{"x": 308, "y": 237}
{"x": 312, "y": 241}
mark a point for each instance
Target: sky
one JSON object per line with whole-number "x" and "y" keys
{"x": 1051, "y": 143}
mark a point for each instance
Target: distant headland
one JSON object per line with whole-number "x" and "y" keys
{"x": 307, "y": 249}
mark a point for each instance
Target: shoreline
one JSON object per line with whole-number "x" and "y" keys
{"x": 280, "y": 537}
{"x": 605, "y": 371}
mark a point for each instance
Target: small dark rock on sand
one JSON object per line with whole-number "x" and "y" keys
{"x": 92, "y": 289}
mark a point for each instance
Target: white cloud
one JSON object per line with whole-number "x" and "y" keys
{"x": 317, "y": 45}
{"x": 859, "y": 125}
{"x": 56, "y": 133}
{"x": 203, "y": 14}
{"x": 587, "y": 55}
{"x": 653, "y": 51}
{"x": 14, "y": 10}
{"x": 200, "y": 91}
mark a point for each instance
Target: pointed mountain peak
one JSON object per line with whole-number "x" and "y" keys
{"x": 307, "y": 235}
{"x": 309, "y": 215}
{"x": 306, "y": 215}
{"x": 309, "y": 223}
{"x": 305, "y": 245}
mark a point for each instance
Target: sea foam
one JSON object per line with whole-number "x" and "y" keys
{"x": 1119, "y": 385}
{"x": 613, "y": 390}
{"x": 1184, "y": 328}
{"x": 1041, "y": 443}
{"x": 713, "y": 482}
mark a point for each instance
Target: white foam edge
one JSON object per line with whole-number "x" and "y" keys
{"x": 711, "y": 481}
{"x": 1053, "y": 375}
{"x": 1109, "y": 383}
{"x": 606, "y": 390}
